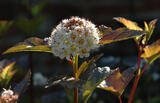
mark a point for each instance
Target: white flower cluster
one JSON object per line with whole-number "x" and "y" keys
{"x": 7, "y": 92}
{"x": 74, "y": 36}
{"x": 7, "y": 96}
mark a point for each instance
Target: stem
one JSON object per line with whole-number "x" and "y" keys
{"x": 120, "y": 100}
{"x": 75, "y": 69}
{"x": 133, "y": 88}
{"x": 75, "y": 95}
{"x": 137, "y": 75}
{"x": 31, "y": 79}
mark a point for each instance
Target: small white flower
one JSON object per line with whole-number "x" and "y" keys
{"x": 74, "y": 36}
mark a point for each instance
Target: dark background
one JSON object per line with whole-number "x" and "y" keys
{"x": 120, "y": 54}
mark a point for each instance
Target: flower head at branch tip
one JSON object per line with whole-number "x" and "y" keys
{"x": 7, "y": 92}
{"x": 8, "y": 96}
{"x": 74, "y": 36}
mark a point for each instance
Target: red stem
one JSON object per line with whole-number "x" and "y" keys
{"x": 74, "y": 72}
{"x": 120, "y": 100}
{"x": 75, "y": 95}
{"x": 137, "y": 75}
{"x": 71, "y": 61}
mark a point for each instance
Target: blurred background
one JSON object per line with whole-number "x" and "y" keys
{"x": 21, "y": 19}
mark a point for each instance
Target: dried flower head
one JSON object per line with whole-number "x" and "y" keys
{"x": 74, "y": 36}
{"x": 7, "y": 96}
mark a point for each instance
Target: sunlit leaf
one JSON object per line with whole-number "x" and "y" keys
{"x": 30, "y": 44}
{"x": 30, "y": 26}
{"x": 128, "y": 23}
{"x": 120, "y": 34}
{"x": 6, "y": 74}
{"x": 23, "y": 85}
{"x": 152, "y": 52}
{"x": 36, "y": 9}
{"x": 96, "y": 76}
{"x": 117, "y": 82}
{"x": 82, "y": 68}
{"x": 4, "y": 26}
{"x": 146, "y": 26}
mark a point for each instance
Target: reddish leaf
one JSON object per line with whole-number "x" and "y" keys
{"x": 117, "y": 82}
{"x": 152, "y": 23}
{"x": 119, "y": 34}
{"x": 128, "y": 23}
{"x": 104, "y": 30}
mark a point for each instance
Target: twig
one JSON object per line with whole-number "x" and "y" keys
{"x": 138, "y": 75}
{"x": 120, "y": 100}
{"x": 75, "y": 74}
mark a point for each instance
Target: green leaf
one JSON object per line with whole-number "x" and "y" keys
{"x": 4, "y": 26}
{"x": 117, "y": 82}
{"x": 95, "y": 77}
{"x": 30, "y": 44}
{"x": 30, "y": 26}
{"x": 152, "y": 52}
{"x": 36, "y": 9}
{"x": 6, "y": 74}
{"x": 119, "y": 34}
{"x": 82, "y": 68}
